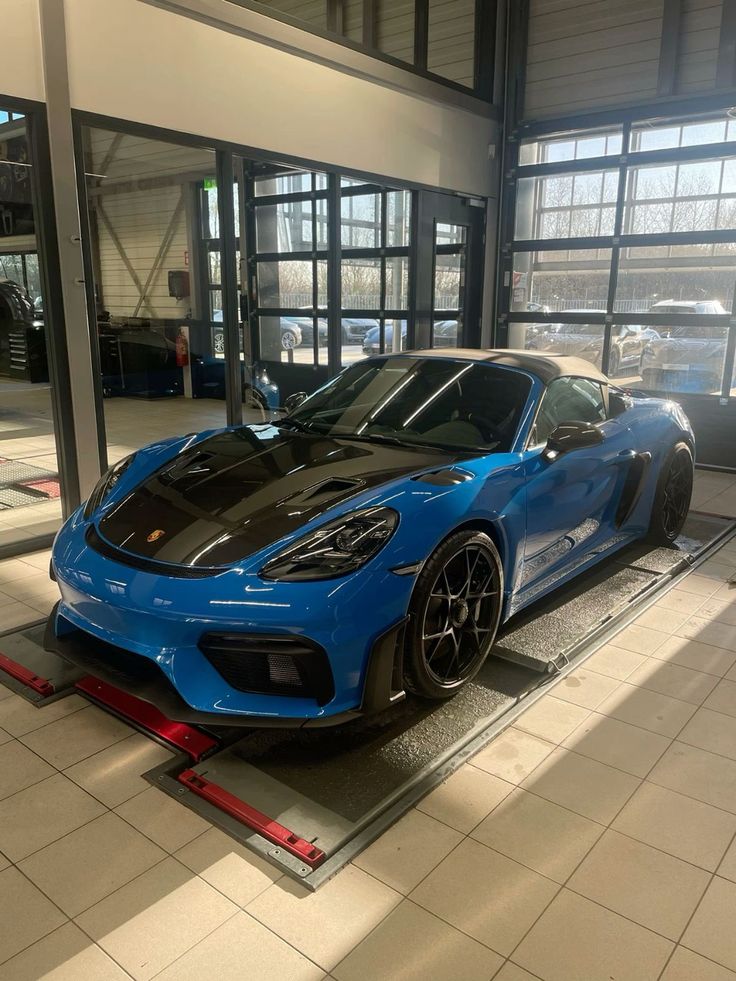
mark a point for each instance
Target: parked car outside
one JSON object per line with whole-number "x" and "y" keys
{"x": 354, "y": 329}
{"x": 445, "y": 335}
{"x": 291, "y": 333}
{"x": 306, "y": 326}
{"x": 586, "y": 341}
{"x": 711, "y": 307}
{"x": 372, "y": 339}
{"x": 686, "y": 357}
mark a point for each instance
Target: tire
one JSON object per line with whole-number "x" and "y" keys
{"x": 447, "y": 637}
{"x": 672, "y": 497}
{"x": 289, "y": 340}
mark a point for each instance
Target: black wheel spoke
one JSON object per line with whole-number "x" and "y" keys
{"x": 461, "y": 615}
{"x": 676, "y": 495}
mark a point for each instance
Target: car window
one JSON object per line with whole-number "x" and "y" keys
{"x": 568, "y": 400}
{"x": 458, "y": 405}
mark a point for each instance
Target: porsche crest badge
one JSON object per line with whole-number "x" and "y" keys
{"x": 155, "y": 535}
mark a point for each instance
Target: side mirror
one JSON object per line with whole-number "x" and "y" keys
{"x": 294, "y": 401}
{"x": 569, "y": 436}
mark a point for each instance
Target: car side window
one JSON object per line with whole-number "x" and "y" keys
{"x": 568, "y": 400}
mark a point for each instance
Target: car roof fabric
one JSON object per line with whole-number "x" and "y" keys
{"x": 546, "y": 367}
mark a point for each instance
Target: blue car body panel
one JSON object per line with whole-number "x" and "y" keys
{"x": 550, "y": 522}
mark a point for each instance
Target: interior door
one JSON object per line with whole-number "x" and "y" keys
{"x": 448, "y": 271}
{"x": 284, "y": 259}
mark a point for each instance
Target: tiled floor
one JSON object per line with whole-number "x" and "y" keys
{"x": 594, "y": 839}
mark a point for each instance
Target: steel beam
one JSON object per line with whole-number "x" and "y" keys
{"x": 77, "y": 319}
{"x": 163, "y": 251}
{"x": 669, "y": 47}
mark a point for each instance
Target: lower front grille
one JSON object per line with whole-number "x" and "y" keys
{"x": 270, "y": 665}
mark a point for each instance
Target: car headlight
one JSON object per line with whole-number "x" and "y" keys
{"x": 106, "y": 483}
{"x": 335, "y": 549}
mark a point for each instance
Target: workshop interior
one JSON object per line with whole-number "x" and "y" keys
{"x": 368, "y": 490}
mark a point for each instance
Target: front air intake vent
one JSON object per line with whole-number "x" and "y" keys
{"x": 325, "y": 491}
{"x": 269, "y": 665}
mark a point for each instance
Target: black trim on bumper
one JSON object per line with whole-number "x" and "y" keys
{"x": 254, "y": 663}
{"x": 141, "y": 677}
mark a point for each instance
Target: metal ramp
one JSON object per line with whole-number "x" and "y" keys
{"x": 311, "y": 800}
{"x": 544, "y": 636}
{"x": 30, "y": 670}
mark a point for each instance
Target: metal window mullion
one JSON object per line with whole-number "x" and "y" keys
{"x": 370, "y": 20}
{"x": 382, "y": 287}
{"x": 334, "y": 275}
{"x": 730, "y": 353}
{"x": 42, "y": 200}
{"x": 265, "y": 200}
{"x": 726, "y": 63}
{"x": 669, "y": 47}
{"x": 85, "y": 225}
{"x": 421, "y": 33}
{"x": 229, "y": 280}
{"x": 315, "y": 283}
{"x": 618, "y": 222}
{"x": 484, "y": 47}
{"x": 335, "y": 16}
{"x": 698, "y": 152}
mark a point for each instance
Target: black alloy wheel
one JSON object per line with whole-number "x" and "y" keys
{"x": 672, "y": 499}
{"x": 454, "y": 615}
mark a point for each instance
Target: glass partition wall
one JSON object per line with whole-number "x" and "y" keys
{"x": 30, "y": 482}
{"x": 156, "y": 315}
{"x": 222, "y": 284}
{"x": 622, "y": 250}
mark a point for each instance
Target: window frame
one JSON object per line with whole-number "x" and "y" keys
{"x": 484, "y": 37}
{"x": 621, "y": 241}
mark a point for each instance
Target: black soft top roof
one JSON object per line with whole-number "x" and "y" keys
{"x": 546, "y": 367}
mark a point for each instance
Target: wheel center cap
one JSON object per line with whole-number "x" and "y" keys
{"x": 460, "y": 612}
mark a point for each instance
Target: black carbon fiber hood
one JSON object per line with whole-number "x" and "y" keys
{"x": 239, "y": 491}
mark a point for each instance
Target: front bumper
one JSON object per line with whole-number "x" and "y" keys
{"x": 142, "y": 677}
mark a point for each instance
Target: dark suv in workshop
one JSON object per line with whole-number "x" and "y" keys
{"x": 686, "y": 358}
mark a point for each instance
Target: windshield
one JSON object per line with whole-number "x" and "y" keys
{"x": 428, "y": 401}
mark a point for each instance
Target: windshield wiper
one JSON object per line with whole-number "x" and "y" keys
{"x": 373, "y": 438}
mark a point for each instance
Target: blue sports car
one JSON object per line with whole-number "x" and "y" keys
{"x": 371, "y": 542}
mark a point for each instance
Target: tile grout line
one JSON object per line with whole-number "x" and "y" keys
{"x": 609, "y": 827}
{"x": 713, "y": 875}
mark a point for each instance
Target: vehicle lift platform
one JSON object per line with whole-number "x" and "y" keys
{"x": 309, "y": 800}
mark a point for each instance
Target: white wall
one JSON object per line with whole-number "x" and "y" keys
{"x": 21, "y": 73}
{"x": 134, "y": 61}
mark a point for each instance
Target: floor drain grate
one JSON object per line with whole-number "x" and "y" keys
{"x": 16, "y": 497}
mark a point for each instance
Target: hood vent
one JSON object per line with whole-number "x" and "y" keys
{"x": 326, "y": 490}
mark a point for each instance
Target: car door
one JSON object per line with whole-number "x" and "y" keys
{"x": 571, "y": 500}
